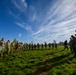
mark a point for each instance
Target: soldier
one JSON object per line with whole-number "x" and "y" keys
{"x": 42, "y": 45}
{"x": 20, "y": 46}
{"x": 2, "y": 42}
{"x": 70, "y": 44}
{"x": 8, "y": 46}
{"x": 49, "y": 45}
{"x": 1, "y": 49}
{"x": 56, "y": 45}
{"x": 29, "y": 46}
{"x": 65, "y": 45}
{"x": 73, "y": 44}
{"x": 45, "y": 45}
{"x": 24, "y": 46}
{"x": 38, "y": 45}
{"x": 12, "y": 47}
{"x": 15, "y": 43}
{"x": 34, "y": 46}
{"x": 52, "y": 45}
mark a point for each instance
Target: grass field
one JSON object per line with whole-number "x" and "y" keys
{"x": 39, "y": 62}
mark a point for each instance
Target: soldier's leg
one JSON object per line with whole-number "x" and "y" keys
{"x": 17, "y": 50}
{"x": 8, "y": 50}
{"x": 71, "y": 49}
{"x": 75, "y": 53}
{"x": 1, "y": 53}
{"x": 56, "y": 47}
{"x": 11, "y": 50}
{"x": 75, "y": 50}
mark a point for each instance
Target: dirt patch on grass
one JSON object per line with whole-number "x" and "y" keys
{"x": 43, "y": 67}
{"x": 43, "y": 73}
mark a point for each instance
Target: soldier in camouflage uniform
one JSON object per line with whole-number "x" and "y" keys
{"x": 20, "y": 46}
{"x": 49, "y": 45}
{"x": 52, "y": 45}
{"x": 70, "y": 44}
{"x": 34, "y": 46}
{"x": 8, "y": 47}
{"x": 45, "y": 45}
{"x": 42, "y": 46}
{"x": 73, "y": 44}
{"x": 56, "y": 45}
{"x": 12, "y": 47}
{"x": 38, "y": 45}
{"x": 24, "y": 46}
{"x": 2, "y": 42}
{"x": 65, "y": 45}
{"x": 27, "y": 46}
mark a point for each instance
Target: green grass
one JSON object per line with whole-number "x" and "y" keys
{"x": 35, "y": 62}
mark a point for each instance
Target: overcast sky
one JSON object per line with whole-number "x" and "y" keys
{"x": 37, "y": 20}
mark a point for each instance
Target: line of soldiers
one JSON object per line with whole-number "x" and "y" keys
{"x": 41, "y": 46}
{"x": 72, "y": 44}
{"x": 37, "y": 46}
{"x": 9, "y": 47}
{"x": 54, "y": 45}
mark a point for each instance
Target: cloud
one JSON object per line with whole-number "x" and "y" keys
{"x": 56, "y": 21}
{"x": 21, "y": 25}
{"x": 25, "y": 26}
{"x": 32, "y": 13}
{"x": 22, "y": 17}
{"x": 19, "y": 35}
{"x": 21, "y": 5}
{"x": 24, "y": 3}
{"x": 16, "y": 8}
{"x": 60, "y": 22}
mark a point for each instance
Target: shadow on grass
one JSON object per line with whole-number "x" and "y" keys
{"x": 37, "y": 49}
{"x": 55, "y": 52}
{"x": 50, "y": 63}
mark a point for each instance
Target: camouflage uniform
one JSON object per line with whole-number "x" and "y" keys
{"x": 65, "y": 45}
{"x": 12, "y": 47}
{"x": 70, "y": 44}
{"x": 20, "y": 46}
{"x": 73, "y": 44}
{"x": 2, "y": 45}
{"x": 52, "y": 45}
{"x": 8, "y": 46}
{"x": 56, "y": 45}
